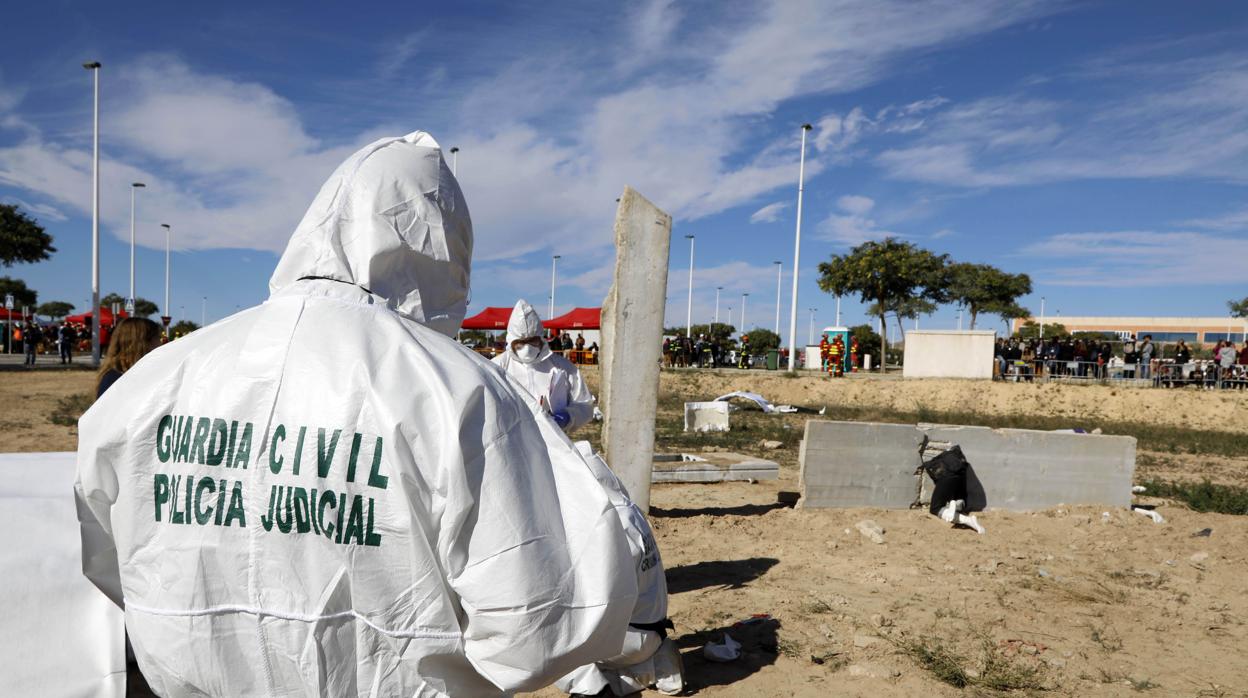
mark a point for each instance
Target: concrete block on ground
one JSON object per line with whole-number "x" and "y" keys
{"x": 1025, "y": 470}
{"x": 706, "y": 416}
{"x": 949, "y": 354}
{"x": 712, "y": 467}
{"x": 859, "y": 464}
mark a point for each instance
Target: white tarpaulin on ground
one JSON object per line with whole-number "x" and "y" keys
{"x": 61, "y": 637}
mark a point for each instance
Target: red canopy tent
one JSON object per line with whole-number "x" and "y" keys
{"x": 576, "y": 319}
{"x": 488, "y": 319}
{"x": 106, "y": 317}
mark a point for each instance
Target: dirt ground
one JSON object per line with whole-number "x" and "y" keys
{"x": 1072, "y": 602}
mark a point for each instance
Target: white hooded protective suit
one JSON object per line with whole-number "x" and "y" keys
{"x": 323, "y": 496}
{"x": 548, "y": 377}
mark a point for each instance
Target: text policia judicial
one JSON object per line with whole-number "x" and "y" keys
{"x": 332, "y": 506}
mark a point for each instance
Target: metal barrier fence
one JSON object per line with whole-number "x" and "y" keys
{"x": 1167, "y": 374}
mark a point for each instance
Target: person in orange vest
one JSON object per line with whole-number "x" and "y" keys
{"x": 853, "y": 354}
{"x": 836, "y": 360}
{"x": 823, "y": 352}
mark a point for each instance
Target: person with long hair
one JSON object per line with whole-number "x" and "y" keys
{"x": 131, "y": 339}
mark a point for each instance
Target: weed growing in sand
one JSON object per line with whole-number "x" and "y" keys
{"x": 69, "y": 409}
{"x": 1203, "y": 496}
{"x": 996, "y": 672}
{"x": 815, "y": 607}
{"x": 789, "y": 648}
{"x": 1107, "y": 638}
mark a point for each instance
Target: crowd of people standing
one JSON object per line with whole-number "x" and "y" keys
{"x": 1136, "y": 358}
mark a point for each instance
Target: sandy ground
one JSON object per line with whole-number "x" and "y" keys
{"x": 1074, "y": 602}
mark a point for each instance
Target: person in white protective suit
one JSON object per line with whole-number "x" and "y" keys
{"x": 326, "y": 495}
{"x": 551, "y": 379}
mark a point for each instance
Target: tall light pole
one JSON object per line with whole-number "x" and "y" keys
{"x": 743, "y": 297}
{"x": 689, "y": 313}
{"x": 810, "y": 333}
{"x": 554, "y": 260}
{"x": 838, "y": 311}
{"x": 203, "y": 312}
{"x": 1040, "y": 336}
{"x": 130, "y": 300}
{"x": 779, "y": 273}
{"x": 455, "y": 160}
{"x": 797, "y": 250}
{"x": 168, "y": 241}
{"x": 717, "y": 290}
{"x": 94, "y": 67}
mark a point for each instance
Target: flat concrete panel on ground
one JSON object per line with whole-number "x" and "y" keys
{"x": 859, "y": 464}
{"x": 1025, "y": 470}
{"x": 712, "y": 467}
{"x": 949, "y": 354}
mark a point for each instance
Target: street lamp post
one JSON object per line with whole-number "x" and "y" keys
{"x": 203, "y": 312}
{"x": 717, "y": 290}
{"x": 797, "y": 249}
{"x": 132, "y": 187}
{"x": 554, "y": 260}
{"x": 838, "y": 311}
{"x": 455, "y": 160}
{"x": 743, "y": 297}
{"x": 94, "y": 67}
{"x": 168, "y": 241}
{"x": 779, "y": 274}
{"x": 810, "y": 332}
{"x": 689, "y": 312}
{"x": 1040, "y": 336}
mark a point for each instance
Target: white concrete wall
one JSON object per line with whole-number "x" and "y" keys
{"x": 949, "y": 353}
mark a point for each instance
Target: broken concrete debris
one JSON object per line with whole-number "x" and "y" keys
{"x": 867, "y": 464}
{"x": 871, "y": 530}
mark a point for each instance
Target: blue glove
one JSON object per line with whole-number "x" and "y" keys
{"x": 562, "y": 419}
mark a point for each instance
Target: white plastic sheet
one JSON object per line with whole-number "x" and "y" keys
{"x": 61, "y": 637}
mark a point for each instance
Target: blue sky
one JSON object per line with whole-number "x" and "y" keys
{"x": 1101, "y": 147}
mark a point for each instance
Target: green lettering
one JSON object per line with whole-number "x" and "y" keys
{"x": 355, "y": 523}
{"x": 355, "y": 454}
{"x": 236, "y": 507}
{"x": 229, "y": 450}
{"x": 187, "y": 516}
{"x": 375, "y": 478}
{"x": 298, "y": 450}
{"x": 202, "y": 517}
{"x": 279, "y": 432}
{"x": 175, "y": 516}
{"x": 327, "y": 497}
{"x": 164, "y": 440}
{"x": 301, "y": 510}
{"x": 216, "y": 442}
{"x": 283, "y": 524}
{"x": 201, "y": 437}
{"x": 184, "y": 440}
{"x": 370, "y": 538}
{"x": 220, "y": 501}
{"x": 316, "y": 524}
{"x": 160, "y": 495}
{"x": 242, "y": 456}
{"x": 323, "y": 457}
{"x": 267, "y": 521}
{"x": 342, "y": 510}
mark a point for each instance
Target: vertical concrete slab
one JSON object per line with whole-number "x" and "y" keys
{"x": 1025, "y": 470}
{"x": 859, "y": 464}
{"x": 632, "y": 332}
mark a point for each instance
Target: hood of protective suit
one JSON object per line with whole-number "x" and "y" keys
{"x": 525, "y": 323}
{"x": 391, "y": 220}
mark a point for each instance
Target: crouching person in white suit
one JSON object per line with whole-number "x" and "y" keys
{"x": 648, "y": 658}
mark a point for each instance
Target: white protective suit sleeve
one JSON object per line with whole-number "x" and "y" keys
{"x": 324, "y": 496}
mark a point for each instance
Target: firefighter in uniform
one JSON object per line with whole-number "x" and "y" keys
{"x": 836, "y": 357}
{"x": 853, "y": 354}
{"x": 823, "y": 352}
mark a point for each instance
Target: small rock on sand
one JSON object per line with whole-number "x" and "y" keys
{"x": 871, "y": 530}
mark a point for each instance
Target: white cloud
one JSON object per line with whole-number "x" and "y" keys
{"x": 853, "y": 226}
{"x": 1235, "y": 220}
{"x": 1140, "y": 258}
{"x": 769, "y": 213}
{"x": 40, "y": 211}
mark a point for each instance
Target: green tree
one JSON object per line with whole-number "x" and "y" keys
{"x": 22, "y": 295}
{"x": 142, "y": 306}
{"x": 761, "y": 341}
{"x": 986, "y": 289}
{"x": 889, "y": 274}
{"x": 182, "y": 328}
{"x": 1052, "y": 330}
{"x": 22, "y": 239}
{"x": 55, "y": 309}
{"x": 715, "y": 331}
{"x": 869, "y": 341}
{"x": 1238, "y": 308}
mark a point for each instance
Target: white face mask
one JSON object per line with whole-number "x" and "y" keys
{"x": 527, "y": 353}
